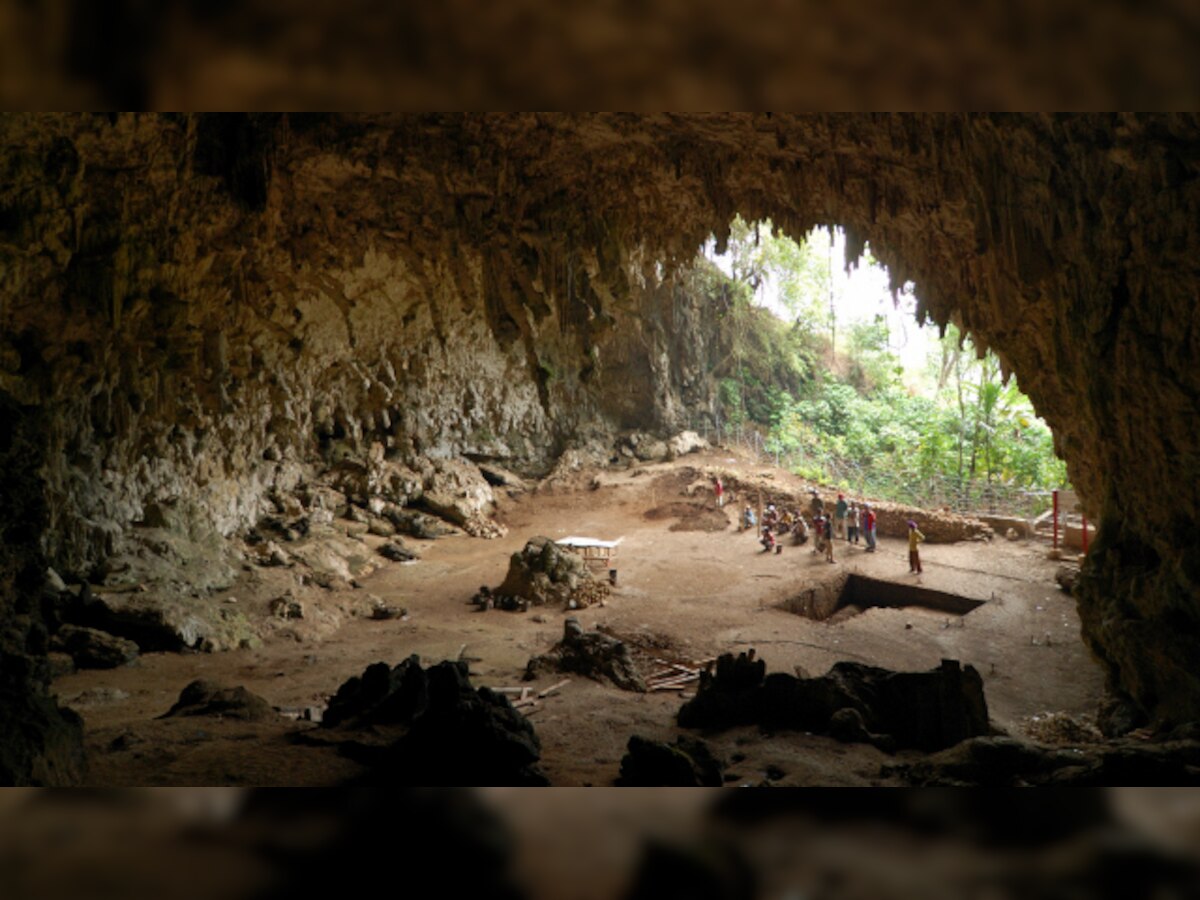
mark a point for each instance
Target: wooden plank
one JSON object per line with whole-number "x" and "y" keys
{"x": 682, "y": 679}
{"x": 553, "y": 688}
{"x": 673, "y": 665}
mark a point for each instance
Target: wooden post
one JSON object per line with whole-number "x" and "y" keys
{"x": 1055, "y": 544}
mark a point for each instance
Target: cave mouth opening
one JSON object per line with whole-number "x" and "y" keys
{"x": 829, "y": 362}
{"x": 853, "y": 594}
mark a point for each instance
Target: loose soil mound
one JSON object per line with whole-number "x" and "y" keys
{"x": 691, "y": 516}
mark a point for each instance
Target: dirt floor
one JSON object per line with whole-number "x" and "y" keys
{"x": 684, "y": 590}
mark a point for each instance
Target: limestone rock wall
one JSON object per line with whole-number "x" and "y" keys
{"x": 206, "y": 305}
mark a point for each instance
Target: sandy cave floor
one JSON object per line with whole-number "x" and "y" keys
{"x": 695, "y": 593}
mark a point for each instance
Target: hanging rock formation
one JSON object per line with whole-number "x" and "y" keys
{"x": 196, "y": 311}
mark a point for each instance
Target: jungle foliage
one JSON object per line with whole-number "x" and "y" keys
{"x": 842, "y": 413}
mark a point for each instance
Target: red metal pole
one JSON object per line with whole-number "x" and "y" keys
{"x": 1055, "y": 520}
{"x": 1085, "y": 535}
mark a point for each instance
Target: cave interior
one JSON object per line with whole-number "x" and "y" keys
{"x": 198, "y": 311}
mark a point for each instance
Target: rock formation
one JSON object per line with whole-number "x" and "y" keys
{"x": 452, "y": 733}
{"x": 594, "y": 654}
{"x": 544, "y": 573}
{"x": 852, "y": 702}
{"x": 199, "y": 311}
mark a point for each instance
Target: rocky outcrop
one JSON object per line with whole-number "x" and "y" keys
{"x": 1006, "y": 762}
{"x": 544, "y": 573}
{"x": 92, "y": 649}
{"x": 686, "y": 762}
{"x": 205, "y": 698}
{"x": 198, "y": 309}
{"x": 853, "y": 702}
{"x": 591, "y": 653}
{"x": 452, "y": 733}
{"x": 382, "y": 695}
{"x": 41, "y": 743}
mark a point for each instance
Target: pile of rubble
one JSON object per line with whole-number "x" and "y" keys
{"x": 452, "y": 733}
{"x": 852, "y": 702}
{"x": 1062, "y": 729}
{"x": 593, "y": 654}
{"x": 543, "y": 573}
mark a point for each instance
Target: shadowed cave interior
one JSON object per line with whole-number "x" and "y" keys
{"x": 201, "y": 313}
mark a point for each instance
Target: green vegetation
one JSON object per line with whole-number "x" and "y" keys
{"x": 848, "y": 414}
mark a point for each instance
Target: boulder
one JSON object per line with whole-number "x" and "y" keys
{"x": 728, "y": 697}
{"x": 160, "y": 622}
{"x": 543, "y": 572}
{"x": 206, "y": 698}
{"x": 848, "y": 726}
{"x": 287, "y": 607}
{"x": 497, "y": 476}
{"x": 382, "y": 695}
{"x": 91, "y": 648}
{"x": 1066, "y": 576}
{"x": 922, "y": 710}
{"x": 456, "y": 490}
{"x": 687, "y": 762}
{"x": 396, "y": 552}
{"x": 593, "y": 654}
{"x": 685, "y": 442}
{"x": 380, "y": 527}
{"x": 416, "y": 524}
{"x": 454, "y": 734}
{"x": 466, "y": 737}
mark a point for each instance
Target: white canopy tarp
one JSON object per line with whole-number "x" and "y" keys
{"x": 576, "y": 541}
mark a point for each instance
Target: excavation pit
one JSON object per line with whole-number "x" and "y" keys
{"x": 852, "y": 594}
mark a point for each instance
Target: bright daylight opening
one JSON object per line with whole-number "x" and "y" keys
{"x": 831, "y": 376}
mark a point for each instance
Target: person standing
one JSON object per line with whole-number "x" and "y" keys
{"x": 839, "y": 516}
{"x": 852, "y": 524}
{"x": 719, "y": 490}
{"x": 869, "y": 527}
{"x": 816, "y": 505}
{"x": 828, "y": 540}
{"x": 914, "y": 541}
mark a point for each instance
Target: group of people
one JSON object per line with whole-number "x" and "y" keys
{"x": 848, "y": 521}
{"x": 776, "y": 524}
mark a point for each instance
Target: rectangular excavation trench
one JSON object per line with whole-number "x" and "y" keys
{"x": 855, "y": 593}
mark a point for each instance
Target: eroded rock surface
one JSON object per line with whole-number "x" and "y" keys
{"x": 544, "y": 573}
{"x": 853, "y": 702}
{"x": 206, "y": 698}
{"x": 685, "y": 762}
{"x": 451, "y": 733}
{"x": 592, "y": 653}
